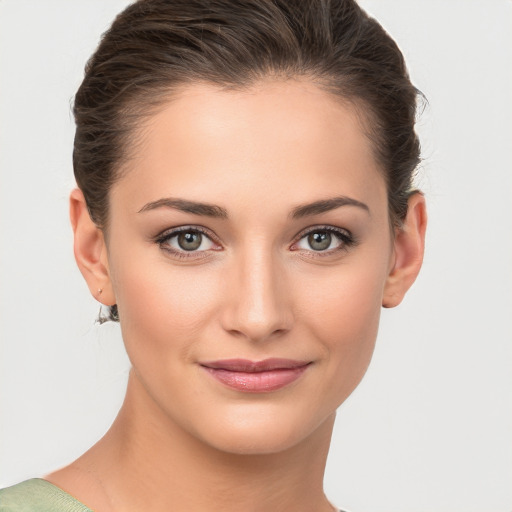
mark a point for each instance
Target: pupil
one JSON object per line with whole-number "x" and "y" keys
{"x": 320, "y": 240}
{"x": 189, "y": 241}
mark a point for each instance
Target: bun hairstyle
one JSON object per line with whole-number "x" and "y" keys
{"x": 155, "y": 47}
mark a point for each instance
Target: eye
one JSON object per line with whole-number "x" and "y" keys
{"x": 325, "y": 239}
{"x": 185, "y": 240}
{"x": 188, "y": 241}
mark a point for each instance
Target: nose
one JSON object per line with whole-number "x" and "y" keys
{"x": 258, "y": 302}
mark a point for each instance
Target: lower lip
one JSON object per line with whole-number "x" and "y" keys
{"x": 257, "y": 382}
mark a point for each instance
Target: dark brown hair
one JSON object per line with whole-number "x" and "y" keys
{"x": 156, "y": 46}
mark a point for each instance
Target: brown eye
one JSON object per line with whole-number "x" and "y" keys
{"x": 319, "y": 240}
{"x": 189, "y": 240}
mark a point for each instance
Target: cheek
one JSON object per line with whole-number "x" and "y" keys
{"x": 345, "y": 299}
{"x": 161, "y": 306}
{"x": 344, "y": 317}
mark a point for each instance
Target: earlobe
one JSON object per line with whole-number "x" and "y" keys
{"x": 409, "y": 245}
{"x": 90, "y": 250}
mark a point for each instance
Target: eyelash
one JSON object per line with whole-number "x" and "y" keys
{"x": 171, "y": 233}
{"x": 346, "y": 238}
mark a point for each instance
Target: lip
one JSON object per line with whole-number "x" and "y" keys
{"x": 256, "y": 376}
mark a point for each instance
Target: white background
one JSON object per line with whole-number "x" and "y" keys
{"x": 429, "y": 429}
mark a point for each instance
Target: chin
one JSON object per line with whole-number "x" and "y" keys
{"x": 250, "y": 444}
{"x": 264, "y": 434}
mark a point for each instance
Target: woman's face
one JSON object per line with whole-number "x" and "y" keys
{"x": 249, "y": 248}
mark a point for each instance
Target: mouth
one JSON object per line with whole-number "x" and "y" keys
{"x": 256, "y": 376}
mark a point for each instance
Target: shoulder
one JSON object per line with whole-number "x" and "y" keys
{"x": 37, "y": 495}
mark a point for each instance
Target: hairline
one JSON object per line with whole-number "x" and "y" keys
{"x": 139, "y": 110}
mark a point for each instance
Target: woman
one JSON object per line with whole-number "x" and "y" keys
{"x": 244, "y": 208}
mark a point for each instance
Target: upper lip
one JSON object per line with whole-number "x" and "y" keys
{"x": 247, "y": 366}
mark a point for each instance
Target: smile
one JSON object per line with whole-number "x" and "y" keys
{"x": 256, "y": 376}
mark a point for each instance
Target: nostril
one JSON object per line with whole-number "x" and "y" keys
{"x": 257, "y": 329}
{"x": 257, "y": 305}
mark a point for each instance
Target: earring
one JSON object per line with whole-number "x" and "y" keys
{"x": 100, "y": 291}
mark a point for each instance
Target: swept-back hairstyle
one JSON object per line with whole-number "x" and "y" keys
{"x": 155, "y": 47}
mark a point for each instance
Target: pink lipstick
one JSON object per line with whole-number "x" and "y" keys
{"x": 256, "y": 376}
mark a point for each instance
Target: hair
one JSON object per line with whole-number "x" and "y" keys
{"x": 155, "y": 47}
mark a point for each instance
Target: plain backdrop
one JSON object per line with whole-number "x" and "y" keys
{"x": 429, "y": 428}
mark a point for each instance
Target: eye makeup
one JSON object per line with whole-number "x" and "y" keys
{"x": 193, "y": 242}
{"x": 329, "y": 240}
{"x": 183, "y": 242}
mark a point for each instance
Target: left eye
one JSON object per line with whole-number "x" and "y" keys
{"x": 188, "y": 241}
{"x": 322, "y": 240}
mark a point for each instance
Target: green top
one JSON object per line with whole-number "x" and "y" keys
{"x": 37, "y": 495}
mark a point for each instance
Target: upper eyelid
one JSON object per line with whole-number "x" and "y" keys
{"x": 321, "y": 227}
{"x": 170, "y": 232}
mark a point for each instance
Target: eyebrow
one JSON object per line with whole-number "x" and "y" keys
{"x": 205, "y": 209}
{"x": 325, "y": 205}
{"x": 215, "y": 211}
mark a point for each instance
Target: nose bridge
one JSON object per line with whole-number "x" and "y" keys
{"x": 258, "y": 307}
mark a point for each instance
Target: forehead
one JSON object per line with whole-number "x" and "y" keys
{"x": 291, "y": 136}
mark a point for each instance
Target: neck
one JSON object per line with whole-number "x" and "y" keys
{"x": 148, "y": 462}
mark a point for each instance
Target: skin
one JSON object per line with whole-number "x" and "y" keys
{"x": 256, "y": 289}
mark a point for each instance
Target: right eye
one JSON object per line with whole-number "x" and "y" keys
{"x": 186, "y": 242}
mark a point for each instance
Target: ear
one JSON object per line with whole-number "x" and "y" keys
{"x": 90, "y": 250}
{"x": 409, "y": 246}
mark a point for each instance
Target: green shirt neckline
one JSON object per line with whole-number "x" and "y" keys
{"x": 38, "y": 495}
